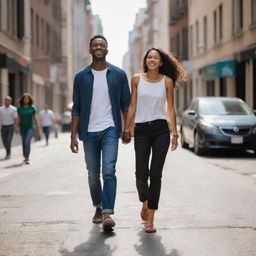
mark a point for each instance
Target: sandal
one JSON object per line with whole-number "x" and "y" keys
{"x": 150, "y": 228}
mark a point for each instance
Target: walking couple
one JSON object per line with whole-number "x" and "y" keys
{"x": 101, "y": 92}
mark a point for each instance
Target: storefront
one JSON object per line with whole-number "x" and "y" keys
{"x": 14, "y": 77}
{"x": 216, "y": 76}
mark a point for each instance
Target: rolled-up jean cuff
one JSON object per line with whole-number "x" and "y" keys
{"x": 97, "y": 205}
{"x": 108, "y": 211}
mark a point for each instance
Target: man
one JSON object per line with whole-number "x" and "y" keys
{"x": 46, "y": 120}
{"x": 8, "y": 117}
{"x": 101, "y": 92}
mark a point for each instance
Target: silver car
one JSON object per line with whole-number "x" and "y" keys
{"x": 218, "y": 122}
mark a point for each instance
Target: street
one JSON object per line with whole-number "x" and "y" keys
{"x": 207, "y": 206}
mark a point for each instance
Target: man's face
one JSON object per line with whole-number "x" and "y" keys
{"x": 98, "y": 49}
{"x": 7, "y": 102}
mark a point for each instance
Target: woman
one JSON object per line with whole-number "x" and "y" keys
{"x": 150, "y": 92}
{"x": 27, "y": 119}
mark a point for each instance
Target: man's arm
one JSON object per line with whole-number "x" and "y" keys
{"x": 74, "y": 142}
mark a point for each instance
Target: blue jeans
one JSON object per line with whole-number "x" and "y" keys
{"x": 26, "y": 140}
{"x": 46, "y": 131}
{"x": 7, "y": 134}
{"x": 105, "y": 144}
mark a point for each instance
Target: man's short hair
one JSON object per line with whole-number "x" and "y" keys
{"x": 98, "y": 36}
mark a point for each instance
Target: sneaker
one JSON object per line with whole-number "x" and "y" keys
{"x": 7, "y": 157}
{"x": 97, "y": 218}
{"x": 107, "y": 223}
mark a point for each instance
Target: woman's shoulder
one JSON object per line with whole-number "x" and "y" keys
{"x": 136, "y": 76}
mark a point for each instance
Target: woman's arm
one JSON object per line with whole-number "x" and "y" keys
{"x": 126, "y": 136}
{"x": 171, "y": 111}
{"x": 36, "y": 123}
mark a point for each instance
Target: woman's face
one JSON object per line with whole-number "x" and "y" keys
{"x": 153, "y": 60}
{"x": 26, "y": 100}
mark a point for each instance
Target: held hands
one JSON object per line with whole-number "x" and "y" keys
{"x": 174, "y": 141}
{"x": 126, "y": 136}
{"x": 74, "y": 145}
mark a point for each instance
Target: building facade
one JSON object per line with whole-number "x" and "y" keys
{"x": 222, "y": 36}
{"x": 15, "y": 55}
{"x": 46, "y": 54}
{"x": 178, "y": 40}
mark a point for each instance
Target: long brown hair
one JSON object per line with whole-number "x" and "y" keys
{"x": 171, "y": 66}
{"x": 21, "y": 100}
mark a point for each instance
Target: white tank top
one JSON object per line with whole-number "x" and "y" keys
{"x": 151, "y": 101}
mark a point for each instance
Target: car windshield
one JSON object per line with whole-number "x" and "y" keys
{"x": 217, "y": 107}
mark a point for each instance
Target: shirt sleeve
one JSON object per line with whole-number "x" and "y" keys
{"x": 125, "y": 95}
{"x": 33, "y": 110}
{"x": 76, "y": 98}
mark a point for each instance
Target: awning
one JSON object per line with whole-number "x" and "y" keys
{"x": 220, "y": 69}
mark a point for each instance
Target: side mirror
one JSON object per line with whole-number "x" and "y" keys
{"x": 191, "y": 112}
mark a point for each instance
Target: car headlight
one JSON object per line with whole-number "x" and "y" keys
{"x": 208, "y": 127}
{"x": 254, "y": 130}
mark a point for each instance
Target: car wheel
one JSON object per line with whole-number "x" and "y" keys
{"x": 182, "y": 140}
{"x": 197, "y": 149}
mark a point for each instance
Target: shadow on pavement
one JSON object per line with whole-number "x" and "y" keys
{"x": 95, "y": 245}
{"x": 14, "y": 165}
{"x": 151, "y": 245}
{"x": 227, "y": 153}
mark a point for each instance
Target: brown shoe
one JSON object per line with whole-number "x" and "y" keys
{"x": 97, "y": 218}
{"x": 107, "y": 223}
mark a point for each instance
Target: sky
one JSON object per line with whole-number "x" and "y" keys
{"x": 118, "y": 17}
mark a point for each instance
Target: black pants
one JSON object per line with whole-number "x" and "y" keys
{"x": 150, "y": 136}
{"x": 7, "y": 134}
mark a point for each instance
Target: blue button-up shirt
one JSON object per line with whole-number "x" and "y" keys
{"x": 119, "y": 94}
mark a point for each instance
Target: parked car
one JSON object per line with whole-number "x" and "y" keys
{"x": 218, "y": 122}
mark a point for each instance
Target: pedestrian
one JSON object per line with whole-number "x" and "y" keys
{"x": 47, "y": 119}
{"x": 8, "y": 118}
{"x": 151, "y": 102}
{"x": 101, "y": 92}
{"x": 27, "y": 121}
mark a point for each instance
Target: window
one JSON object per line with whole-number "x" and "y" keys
{"x": 47, "y": 37}
{"x": 184, "y": 52}
{"x": 215, "y": 27}
{"x": 32, "y": 25}
{"x": 42, "y": 34}
{"x": 237, "y": 17}
{"x": 205, "y": 32}
{"x": 191, "y": 41}
{"x": 178, "y": 46}
{"x": 37, "y": 31}
{"x": 197, "y": 36}
{"x": 253, "y": 11}
{"x": 220, "y": 22}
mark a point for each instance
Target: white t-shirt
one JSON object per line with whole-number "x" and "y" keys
{"x": 46, "y": 117}
{"x": 101, "y": 110}
{"x": 8, "y": 115}
{"x": 151, "y": 101}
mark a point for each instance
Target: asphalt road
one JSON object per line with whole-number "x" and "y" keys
{"x": 207, "y": 206}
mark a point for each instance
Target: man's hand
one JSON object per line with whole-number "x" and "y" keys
{"x": 74, "y": 145}
{"x": 126, "y": 137}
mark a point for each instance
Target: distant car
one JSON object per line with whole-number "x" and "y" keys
{"x": 218, "y": 122}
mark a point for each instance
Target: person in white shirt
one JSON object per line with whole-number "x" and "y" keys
{"x": 152, "y": 106}
{"x": 8, "y": 118}
{"x": 47, "y": 119}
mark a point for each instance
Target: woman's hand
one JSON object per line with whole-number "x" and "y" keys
{"x": 174, "y": 141}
